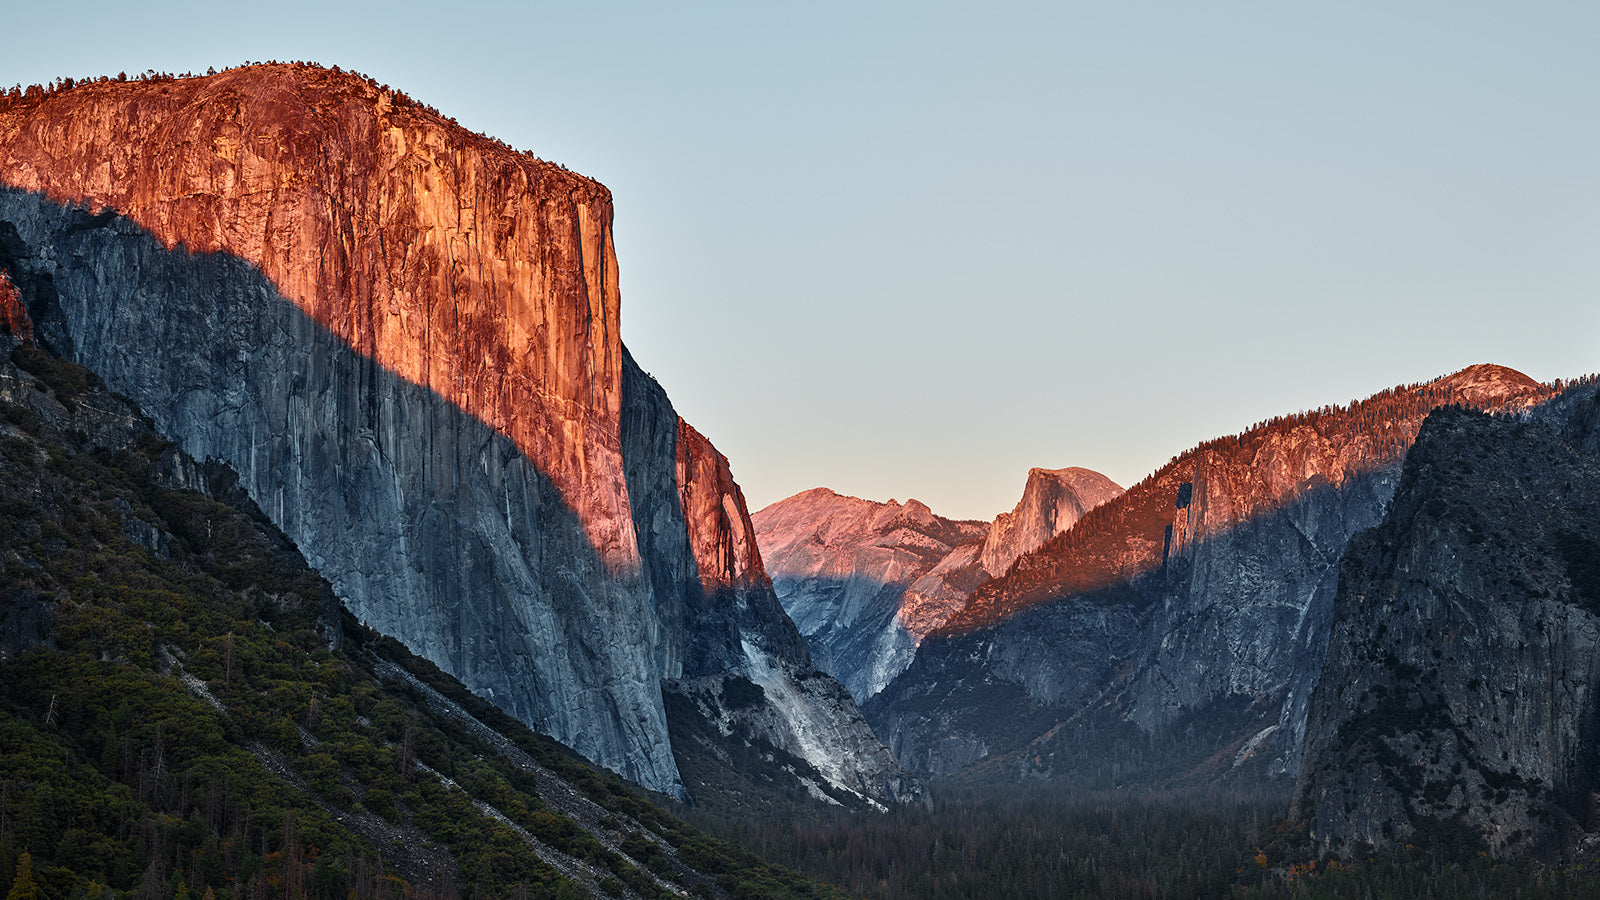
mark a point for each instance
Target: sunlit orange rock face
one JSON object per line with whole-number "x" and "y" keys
{"x": 483, "y": 274}
{"x": 1052, "y": 502}
{"x": 720, "y": 533}
{"x": 1227, "y": 482}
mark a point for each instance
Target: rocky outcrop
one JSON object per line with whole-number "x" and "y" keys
{"x": 404, "y": 337}
{"x": 1459, "y": 693}
{"x": 1210, "y": 582}
{"x": 1052, "y": 501}
{"x": 848, "y": 570}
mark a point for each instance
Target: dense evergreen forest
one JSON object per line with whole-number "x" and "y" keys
{"x": 186, "y": 710}
{"x": 1044, "y": 842}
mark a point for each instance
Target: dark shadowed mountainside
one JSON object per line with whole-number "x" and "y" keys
{"x": 1460, "y": 688}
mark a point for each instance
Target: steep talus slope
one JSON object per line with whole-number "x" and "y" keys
{"x": 1460, "y": 687}
{"x": 404, "y": 338}
{"x": 186, "y": 709}
{"x": 1209, "y": 585}
{"x": 841, "y": 566}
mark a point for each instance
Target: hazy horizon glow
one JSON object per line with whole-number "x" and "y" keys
{"x": 910, "y": 250}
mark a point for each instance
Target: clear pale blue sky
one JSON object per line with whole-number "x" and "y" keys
{"x": 913, "y": 249}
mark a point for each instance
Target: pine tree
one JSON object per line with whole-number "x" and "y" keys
{"x": 22, "y": 887}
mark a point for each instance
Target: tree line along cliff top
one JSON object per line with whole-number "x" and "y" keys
{"x": 327, "y": 85}
{"x": 1126, "y": 537}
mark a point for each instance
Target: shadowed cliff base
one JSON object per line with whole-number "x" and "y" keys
{"x": 1051, "y": 694}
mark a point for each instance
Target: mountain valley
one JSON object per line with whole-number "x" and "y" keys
{"x": 346, "y": 551}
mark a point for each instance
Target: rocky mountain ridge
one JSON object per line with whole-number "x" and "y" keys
{"x": 844, "y": 568}
{"x": 1207, "y": 586}
{"x": 866, "y": 581}
{"x": 404, "y": 337}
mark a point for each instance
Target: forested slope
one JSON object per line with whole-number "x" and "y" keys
{"x": 186, "y": 710}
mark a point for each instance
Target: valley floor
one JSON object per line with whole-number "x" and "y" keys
{"x": 1044, "y": 842}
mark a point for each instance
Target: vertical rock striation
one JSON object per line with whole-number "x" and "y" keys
{"x": 405, "y": 339}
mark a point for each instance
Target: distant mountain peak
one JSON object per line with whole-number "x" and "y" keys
{"x": 845, "y": 568}
{"x": 865, "y": 581}
{"x": 1487, "y": 383}
{"x": 1053, "y": 500}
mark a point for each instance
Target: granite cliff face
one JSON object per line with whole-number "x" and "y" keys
{"x": 405, "y": 339}
{"x": 14, "y": 318}
{"x": 1207, "y": 587}
{"x": 1460, "y": 687}
{"x": 1052, "y": 501}
{"x": 484, "y": 275}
